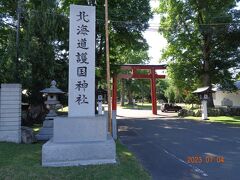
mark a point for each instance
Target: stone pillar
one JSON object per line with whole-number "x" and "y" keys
{"x": 10, "y": 112}
{"x": 46, "y": 132}
{"x": 204, "y": 110}
{"x": 82, "y": 137}
{"x": 100, "y": 109}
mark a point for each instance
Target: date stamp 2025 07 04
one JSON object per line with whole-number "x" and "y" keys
{"x": 204, "y": 159}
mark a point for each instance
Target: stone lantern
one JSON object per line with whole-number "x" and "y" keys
{"x": 203, "y": 93}
{"x": 52, "y": 98}
{"x": 52, "y": 93}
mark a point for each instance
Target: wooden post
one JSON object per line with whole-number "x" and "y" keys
{"x": 108, "y": 69}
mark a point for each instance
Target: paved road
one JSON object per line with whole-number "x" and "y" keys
{"x": 163, "y": 145}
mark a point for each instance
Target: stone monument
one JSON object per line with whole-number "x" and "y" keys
{"x": 10, "y": 112}
{"x": 82, "y": 137}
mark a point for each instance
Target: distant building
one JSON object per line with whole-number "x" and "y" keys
{"x": 225, "y": 98}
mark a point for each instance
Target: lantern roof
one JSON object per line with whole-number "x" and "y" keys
{"x": 201, "y": 90}
{"x": 53, "y": 89}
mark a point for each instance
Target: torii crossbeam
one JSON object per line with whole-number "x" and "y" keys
{"x": 134, "y": 73}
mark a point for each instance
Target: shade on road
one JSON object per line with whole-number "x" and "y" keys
{"x": 164, "y": 144}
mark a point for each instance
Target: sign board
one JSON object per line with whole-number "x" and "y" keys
{"x": 81, "y": 100}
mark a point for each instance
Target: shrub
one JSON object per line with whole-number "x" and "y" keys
{"x": 185, "y": 112}
{"x": 221, "y": 111}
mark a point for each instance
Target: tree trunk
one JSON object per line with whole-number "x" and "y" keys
{"x": 122, "y": 92}
{"x": 207, "y": 36}
{"x": 35, "y": 114}
{"x": 207, "y": 82}
{"x": 129, "y": 91}
{"x": 130, "y": 97}
{"x": 206, "y": 67}
{"x": 96, "y": 94}
{"x": 98, "y": 59}
{"x": 210, "y": 99}
{"x": 99, "y": 52}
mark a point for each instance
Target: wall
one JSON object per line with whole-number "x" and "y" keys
{"x": 10, "y": 112}
{"x": 224, "y": 98}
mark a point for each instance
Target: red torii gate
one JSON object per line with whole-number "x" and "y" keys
{"x": 133, "y": 68}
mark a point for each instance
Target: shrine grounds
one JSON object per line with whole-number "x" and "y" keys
{"x": 23, "y": 161}
{"x": 159, "y": 145}
{"x": 232, "y": 120}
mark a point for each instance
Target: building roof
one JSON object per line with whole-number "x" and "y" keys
{"x": 218, "y": 87}
{"x": 201, "y": 89}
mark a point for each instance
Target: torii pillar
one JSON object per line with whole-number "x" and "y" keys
{"x": 153, "y": 92}
{"x": 134, "y": 73}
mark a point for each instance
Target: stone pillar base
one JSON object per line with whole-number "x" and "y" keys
{"x": 46, "y": 132}
{"x": 79, "y": 141}
{"x": 75, "y": 154}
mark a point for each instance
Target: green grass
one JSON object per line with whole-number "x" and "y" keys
{"x": 235, "y": 120}
{"x": 23, "y": 161}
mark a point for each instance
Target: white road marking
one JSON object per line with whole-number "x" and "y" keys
{"x": 196, "y": 169}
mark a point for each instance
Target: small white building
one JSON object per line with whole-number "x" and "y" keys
{"x": 227, "y": 98}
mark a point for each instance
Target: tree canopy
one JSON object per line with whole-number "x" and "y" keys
{"x": 43, "y": 39}
{"x": 203, "y": 38}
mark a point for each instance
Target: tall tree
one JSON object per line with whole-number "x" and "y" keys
{"x": 127, "y": 20}
{"x": 203, "y": 39}
{"x": 46, "y": 36}
{"x": 7, "y": 40}
{"x": 44, "y": 39}
{"x": 43, "y": 35}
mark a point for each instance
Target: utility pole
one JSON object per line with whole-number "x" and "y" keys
{"x": 16, "y": 72}
{"x": 108, "y": 69}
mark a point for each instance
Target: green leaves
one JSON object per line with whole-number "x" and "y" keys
{"x": 44, "y": 39}
{"x": 202, "y": 48}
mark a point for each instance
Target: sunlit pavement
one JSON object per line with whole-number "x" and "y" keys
{"x": 138, "y": 113}
{"x": 164, "y": 144}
